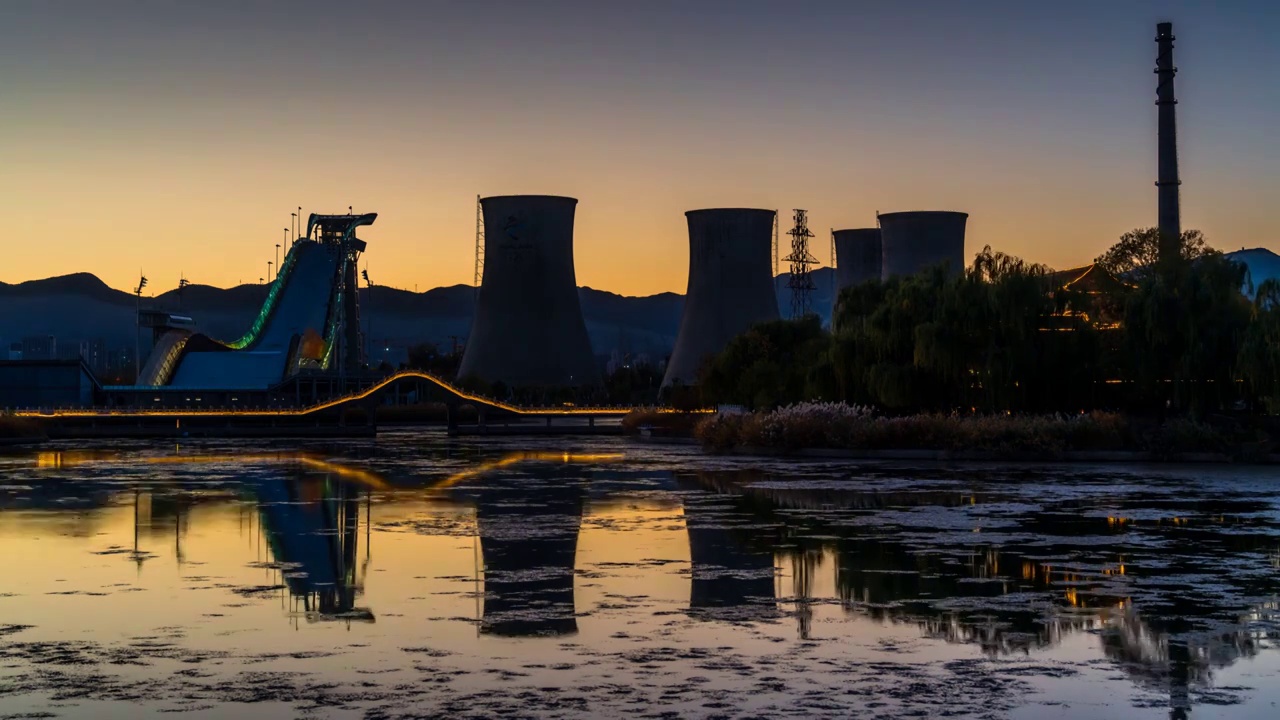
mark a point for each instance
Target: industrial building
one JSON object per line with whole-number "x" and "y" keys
{"x": 528, "y": 329}
{"x": 915, "y": 241}
{"x": 730, "y": 285}
{"x": 46, "y": 383}
{"x": 858, "y": 257}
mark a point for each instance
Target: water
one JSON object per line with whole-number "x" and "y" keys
{"x": 417, "y": 577}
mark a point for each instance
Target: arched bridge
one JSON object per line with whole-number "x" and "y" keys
{"x": 452, "y": 395}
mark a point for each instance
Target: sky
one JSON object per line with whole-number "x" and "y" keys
{"x": 177, "y": 138}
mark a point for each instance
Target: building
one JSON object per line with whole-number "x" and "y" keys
{"x": 46, "y": 383}
{"x": 528, "y": 329}
{"x": 94, "y": 354}
{"x": 730, "y": 285}
{"x": 39, "y": 347}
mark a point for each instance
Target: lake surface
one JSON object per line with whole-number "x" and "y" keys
{"x": 418, "y": 576}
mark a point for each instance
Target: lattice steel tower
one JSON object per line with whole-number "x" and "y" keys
{"x": 800, "y": 282}
{"x": 775, "y": 243}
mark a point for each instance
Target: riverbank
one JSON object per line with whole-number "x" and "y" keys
{"x": 833, "y": 430}
{"x": 928, "y": 455}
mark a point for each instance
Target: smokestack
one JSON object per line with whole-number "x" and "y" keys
{"x": 1170, "y": 219}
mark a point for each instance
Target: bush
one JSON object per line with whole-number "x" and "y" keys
{"x": 840, "y": 426}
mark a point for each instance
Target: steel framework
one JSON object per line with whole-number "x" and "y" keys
{"x": 800, "y": 282}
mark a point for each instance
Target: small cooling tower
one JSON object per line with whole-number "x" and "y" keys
{"x": 915, "y": 241}
{"x": 730, "y": 285}
{"x": 858, "y": 257}
{"x": 528, "y": 329}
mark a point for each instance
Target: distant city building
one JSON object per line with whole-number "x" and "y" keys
{"x": 15, "y": 351}
{"x": 39, "y": 347}
{"x": 67, "y": 351}
{"x": 119, "y": 366}
{"x": 94, "y": 354}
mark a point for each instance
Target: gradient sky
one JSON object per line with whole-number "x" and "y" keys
{"x": 178, "y": 137}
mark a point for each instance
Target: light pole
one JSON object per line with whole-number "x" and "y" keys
{"x": 277, "y": 259}
{"x": 269, "y": 265}
{"x": 137, "y": 328}
{"x": 369, "y": 340}
{"x": 294, "y": 222}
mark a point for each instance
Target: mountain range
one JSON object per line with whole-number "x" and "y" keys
{"x": 81, "y": 307}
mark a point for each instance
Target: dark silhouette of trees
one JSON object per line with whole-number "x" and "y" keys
{"x": 1135, "y": 255}
{"x": 1259, "y": 360}
{"x": 773, "y": 363}
{"x": 1011, "y": 336}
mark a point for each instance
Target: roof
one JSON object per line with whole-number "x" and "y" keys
{"x": 1087, "y": 279}
{"x": 73, "y": 363}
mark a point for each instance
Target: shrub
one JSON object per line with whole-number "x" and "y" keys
{"x": 836, "y": 425}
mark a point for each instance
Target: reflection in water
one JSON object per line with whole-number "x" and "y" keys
{"x": 1169, "y": 590}
{"x": 732, "y": 568}
{"x": 1166, "y": 649}
{"x": 528, "y": 530}
{"x": 311, "y": 525}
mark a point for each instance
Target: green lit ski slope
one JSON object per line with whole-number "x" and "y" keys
{"x": 299, "y": 300}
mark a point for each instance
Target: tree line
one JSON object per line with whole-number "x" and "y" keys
{"x": 1006, "y": 335}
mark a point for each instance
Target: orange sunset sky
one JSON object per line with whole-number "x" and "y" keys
{"x": 179, "y": 138}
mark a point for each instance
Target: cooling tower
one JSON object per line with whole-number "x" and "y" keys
{"x": 857, "y": 257}
{"x": 528, "y": 328}
{"x": 914, "y": 241}
{"x": 730, "y": 285}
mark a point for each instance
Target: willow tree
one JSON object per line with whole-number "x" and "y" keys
{"x": 1259, "y": 359}
{"x": 1183, "y": 333}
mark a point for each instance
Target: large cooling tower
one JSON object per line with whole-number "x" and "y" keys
{"x": 730, "y": 285}
{"x": 528, "y": 328}
{"x": 857, "y": 257}
{"x": 914, "y": 241}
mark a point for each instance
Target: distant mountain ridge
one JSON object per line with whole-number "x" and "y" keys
{"x": 80, "y": 306}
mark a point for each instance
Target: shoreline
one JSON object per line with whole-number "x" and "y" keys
{"x": 918, "y": 454}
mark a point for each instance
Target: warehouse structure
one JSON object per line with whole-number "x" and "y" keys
{"x": 730, "y": 285}
{"x": 528, "y": 329}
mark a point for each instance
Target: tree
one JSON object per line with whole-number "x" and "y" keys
{"x": 1135, "y": 255}
{"x": 774, "y": 363}
{"x": 1183, "y": 334}
{"x": 1260, "y": 350}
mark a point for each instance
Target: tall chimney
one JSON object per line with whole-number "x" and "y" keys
{"x": 1167, "y": 184}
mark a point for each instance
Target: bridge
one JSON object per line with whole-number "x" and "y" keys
{"x": 331, "y": 414}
